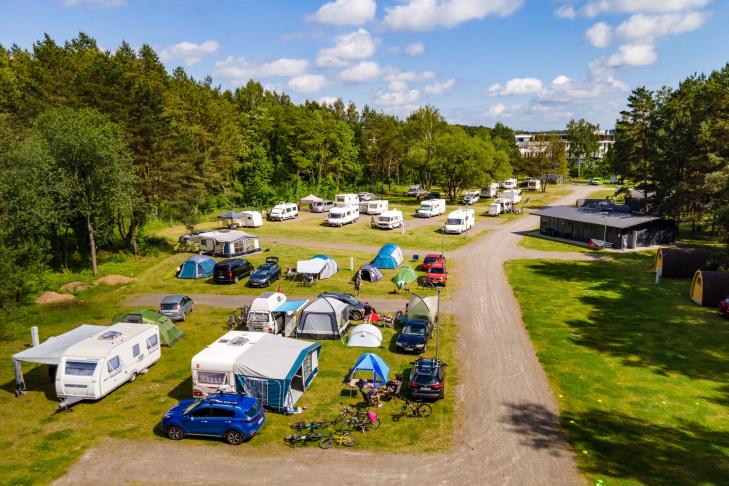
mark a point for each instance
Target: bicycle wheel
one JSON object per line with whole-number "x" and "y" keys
{"x": 374, "y": 425}
{"x": 326, "y": 443}
{"x": 343, "y": 425}
{"x": 299, "y": 426}
{"x": 348, "y": 441}
{"x": 424, "y": 410}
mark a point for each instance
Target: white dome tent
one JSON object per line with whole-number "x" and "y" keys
{"x": 365, "y": 336}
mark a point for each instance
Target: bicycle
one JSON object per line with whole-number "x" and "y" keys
{"x": 426, "y": 284}
{"x": 303, "y": 439}
{"x": 351, "y": 419}
{"x": 338, "y": 438}
{"x": 238, "y": 321}
{"x": 410, "y": 409}
{"x": 311, "y": 426}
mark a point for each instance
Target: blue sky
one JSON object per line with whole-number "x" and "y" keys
{"x": 530, "y": 64}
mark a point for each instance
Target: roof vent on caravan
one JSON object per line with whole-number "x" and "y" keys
{"x": 238, "y": 341}
{"x": 109, "y": 336}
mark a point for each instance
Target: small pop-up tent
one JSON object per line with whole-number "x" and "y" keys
{"x": 309, "y": 200}
{"x": 709, "y": 288}
{"x": 404, "y": 274}
{"x": 371, "y": 363}
{"x": 365, "y": 336}
{"x": 169, "y": 333}
{"x": 325, "y": 318}
{"x": 197, "y": 266}
{"x": 371, "y": 273}
{"x": 389, "y": 256}
{"x": 422, "y": 307}
{"x": 680, "y": 262}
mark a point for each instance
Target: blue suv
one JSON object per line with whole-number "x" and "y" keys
{"x": 234, "y": 417}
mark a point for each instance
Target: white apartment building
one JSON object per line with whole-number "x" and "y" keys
{"x": 529, "y": 146}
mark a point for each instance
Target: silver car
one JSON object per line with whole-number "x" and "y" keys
{"x": 176, "y": 307}
{"x": 322, "y": 206}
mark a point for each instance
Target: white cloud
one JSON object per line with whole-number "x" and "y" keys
{"x": 241, "y": 70}
{"x": 599, "y": 34}
{"x": 561, "y": 80}
{"x": 94, "y": 3}
{"x": 423, "y": 15}
{"x": 189, "y": 52}
{"x": 632, "y": 55}
{"x": 398, "y": 98}
{"x": 597, "y": 7}
{"x": 496, "y": 110}
{"x": 649, "y": 26}
{"x": 328, "y": 100}
{"x": 307, "y": 83}
{"x": 399, "y": 80}
{"x": 565, "y": 12}
{"x": 440, "y": 88}
{"x": 516, "y": 86}
{"x": 346, "y": 12}
{"x": 354, "y": 46}
{"x": 364, "y": 71}
{"x": 415, "y": 49}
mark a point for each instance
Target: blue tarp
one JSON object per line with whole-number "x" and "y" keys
{"x": 291, "y": 306}
{"x": 197, "y": 266}
{"x": 375, "y": 364}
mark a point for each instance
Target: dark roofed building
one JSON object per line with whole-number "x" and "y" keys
{"x": 621, "y": 229}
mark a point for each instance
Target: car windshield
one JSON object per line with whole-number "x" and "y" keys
{"x": 261, "y": 272}
{"x": 454, "y": 222}
{"x": 169, "y": 306}
{"x": 439, "y": 271}
{"x": 425, "y": 207}
{"x": 335, "y": 215}
{"x": 385, "y": 219}
{"x": 414, "y": 330}
{"x": 258, "y": 317}
{"x": 253, "y": 411}
{"x": 192, "y": 406}
{"x": 422, "y": 379}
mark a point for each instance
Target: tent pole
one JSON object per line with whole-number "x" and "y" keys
{"x": 437, "y": 329}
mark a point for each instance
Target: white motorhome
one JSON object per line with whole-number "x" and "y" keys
{"x": 377, "y": 206}
{"x": 492, "y": 190}
{"x": 509, "y": 184}
{"x": 471, "y": 197}
{"x": 534, "y": 184}
{"x": 459, "y": 221}
{"x": 99, "y": 364}
{"x": 513, "y": 195}
{"x": 431, "y": 207}
{"x": 282, "y": 211}
{"x": 272, "y": 312}
{"x": 389, "y": 220}
{"x": 341, "y": 215}
{"x": 500, "y": 206}
{"x": 346, "y": 199}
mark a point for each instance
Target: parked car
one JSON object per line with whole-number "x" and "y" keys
{"x": 414, "y": 190}
{"x": 232, "y": 270}
{"x": 437, "y": 275}
{"x": 366, "y": 196}
{"x": 427, "y": 379}
{"x": 235, "y": 418}
{"x": 322, "y": 206}
{"x": 433, "y": 260}
{"x": 595, "y": 181}
{"x": 724, "y": 307}
{"x": 414, "y": 336}
{"x": 427, "y": 196}
{"x": 266, "y": 273}
{"x": 176, "y": 307}
{"x": 356, "y": 308}
{"x": 471, "y": 197}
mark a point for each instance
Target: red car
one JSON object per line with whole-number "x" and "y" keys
{"x": 433, "y": 260}
{"x": 724, "y": 307}
{"x": 437, "y": 275}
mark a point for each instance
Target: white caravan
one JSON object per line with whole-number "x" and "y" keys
{"x": 346, "y": 199}
{"x": 459, "y": 221}
{"x": 271, "y": 312}
{"x": 509, "y": 184}
{"x": 431, "y": 207}
{"x": 377, "y": 206}
{"x": 534, "y": 184}
{"x": 471, "y": 197}
{"x": 246, "y": 219}
{"x": 389, "y": 220}
{"x": 341, "y": 215}
{"x": 282, "y": 211}
{"x": 492, "y": 190}
{"x": 513, "y": 195}
{"x": 500, "y": 206}
{"x": 99, "y": 364}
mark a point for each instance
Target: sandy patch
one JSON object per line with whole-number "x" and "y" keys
{"x": 74, "y": 287}
{"x": 114, "y": 280}
{"x": 54, "y": 298}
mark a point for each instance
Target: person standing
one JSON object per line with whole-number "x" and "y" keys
{"x": 357, "y": 282}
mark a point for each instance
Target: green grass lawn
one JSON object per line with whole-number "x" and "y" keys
{"x": 542, "y": 244}
{"x": 640, "y": 372}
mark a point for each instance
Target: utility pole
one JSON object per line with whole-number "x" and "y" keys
{"x": 437, "y": 325}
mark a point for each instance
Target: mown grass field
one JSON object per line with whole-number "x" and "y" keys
{"x": 640, "y": 372}
{"x": 543, "y": 244}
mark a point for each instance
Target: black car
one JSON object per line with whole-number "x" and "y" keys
{"x": 232, "y": 270}
{"x": 413, "y": 336}
{"x": 429, "y": 196}
{"x": 266, "y": 273}
{"x": 427, "y": 379}
{"x": 356, "y": 308}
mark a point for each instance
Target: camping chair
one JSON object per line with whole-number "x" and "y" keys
{"x": 415, "y": 258}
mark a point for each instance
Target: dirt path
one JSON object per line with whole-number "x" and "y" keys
{"x": 508, "y": 434}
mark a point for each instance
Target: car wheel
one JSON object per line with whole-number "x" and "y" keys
{"x": 184, "y": 317}
{"x": 356, "y": 315}
{"x": 233, "y": 437}
{"x": 132, "y": 377}
{"x": 235, "y": 279}
{"x": 175, "y": 433}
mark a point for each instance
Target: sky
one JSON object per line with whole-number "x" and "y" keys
{"x": 530, "y": 64}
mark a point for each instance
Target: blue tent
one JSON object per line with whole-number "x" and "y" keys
{"x": 389, "y": 256}
{"x": 197, "y": 266}
{"x": 372, "y": 362}
{"x": 370, "y": 273}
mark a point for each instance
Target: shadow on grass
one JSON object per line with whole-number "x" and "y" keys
{"x": 37, "y": 379}
{"x": 183, "y": 390}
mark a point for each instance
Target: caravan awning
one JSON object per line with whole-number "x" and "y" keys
{"x": 291, "y": 306}
{"x": 273, "y": 357}
{"x": 50, "y": 351}
{"x": 313, "y": 266}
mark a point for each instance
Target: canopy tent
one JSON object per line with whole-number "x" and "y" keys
{"x": 51, "y": 350}
{"x": 404, "y": 274}
{"x": 169, "y": 333}
{"x": 309, "y": 200}
{"x": 325, "y": 318}
{"x": 373, "y": 363}
{"x": 365, "y": 336}
{"x": 422, "y": 307}
{"x": 681, "y": 262}
{"x": 389, "y": 256}
{"x": 320, "y": 265}
{"x": 370, "y": 273}
{"x": 277, "y": 370}
{"x": 197, "y": 266}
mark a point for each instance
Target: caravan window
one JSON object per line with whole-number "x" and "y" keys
{"x": 152, "y": 341}
{"x": 80, "y": 368}
{"x": 113, "y": 365}
{"x": 258, "y": 317}
{"x": 212, "y": 378}
{"x": 240, "y": 246}
{"x": 135, "y": 350}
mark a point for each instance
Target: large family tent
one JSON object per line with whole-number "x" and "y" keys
{"x": 169, "y": 333}
{"x": 331, "y": 266}
{"x": 325, "y": 318}
{"x": 365, "y": 336}
{"x": 228, "y": 243}
{"x": 422, "y": 307}
{"x": 709, "y": 288}
{"x": 309, "y": 201}
{"x": 321, "y": 266}
{"x": 197, "y": 266}
{"x": 370, "y": 273}
{"x": 371, "y": 363}
{"x": 404, "y": 274}
{"x": 389, "y": 256}
{"x": 680, "y": 262}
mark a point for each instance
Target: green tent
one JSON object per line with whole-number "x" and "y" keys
{"x": 404, "y": 274}
{"x": 169, "y": 333}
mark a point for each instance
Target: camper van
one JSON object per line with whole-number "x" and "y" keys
{"x": 471, "y": 197}
{"x": 459, "y": 221}
{"x": 500, "y": 206}
{"x": 377, "y": 206}
{"x": 346, "y": 199}
{"x": 322, "y": 206}
{"x": 534, "y": 184}
{"x": 492, "y": 190}
{"x": 389, "y": 220}
{"x": 513, "y": 195}
{"x": 99, "y": 364}
{"x": 271, "y": 312}
{"x": 341, "y": 215}
{"x": 431, "y": 207}
{"x": 509, "y": 184}
{"x": 282, "y": 211}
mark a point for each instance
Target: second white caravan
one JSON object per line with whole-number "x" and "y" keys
{"x": 459, "y": 221}
{"x": 431, "y": 207}
{"x": 346, "y": 199}
{"x": 377, "y": 206}
{"x": 341, "y": 215}
{"x": 389, "y": 220}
